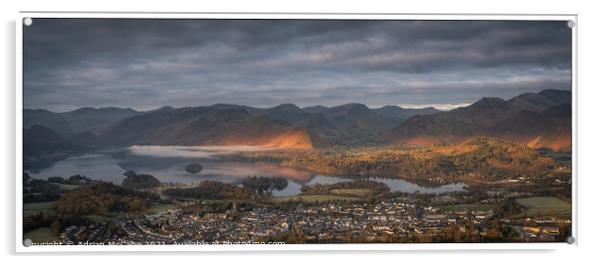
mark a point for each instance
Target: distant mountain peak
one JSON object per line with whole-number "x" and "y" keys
{"x": 222, "y": 105}
{"x": 39, "y": 110}
{"x": 557, "y": 96}
{"x": 316, "y": 109}
{"x": 165, "y": 108}
{"x": 490, "y": 103}
{"x": 491, "y": 100}
{"x": 352, "y": 107}
{"x": 554, "y": 91}
{"x": 536, "y": 120}
{"x": 528, "y": 96}
{"x": 86, "y": 110}
{"x": 399, "y": 114}
{"x": 288, "y": 107}
{"x": 227, "y": 114}
{"x": 391, "y": 107}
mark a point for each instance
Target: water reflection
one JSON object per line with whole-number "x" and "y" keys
{"x": 165, "y": 164}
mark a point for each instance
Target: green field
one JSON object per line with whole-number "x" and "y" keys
{"x": 351, "y": 192}
{"x": 99, "y": 219}
{"x": 41, "y": 235}
{"x": 154, "y": 208}
{"x": 35, "y": 208}
{"x": 545, "y": 206}
{"x": 466, "y": 207}
{"x": 67, "y": 187}
{"x": 313, "y": 198}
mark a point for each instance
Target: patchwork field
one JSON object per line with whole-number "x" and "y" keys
{"x": 41, "y": 235}
{"x": 466, "y": 207}
{"x": 99, "y": 218}
{"x": 545, "y": 206}
{"x": 67, "y": 187}
{"x": 351, "y": 192}
{"x": 161, "y": 207}
{"x": 313, "y": 198}
{"x": 154, "y": 208}
{"x": 35, "y": 208}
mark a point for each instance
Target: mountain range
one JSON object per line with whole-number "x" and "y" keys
{"x": 537, "y": 119}
{"x": 76, "y": 121}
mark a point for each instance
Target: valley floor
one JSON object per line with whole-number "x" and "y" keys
{"x": 514, "y": 194}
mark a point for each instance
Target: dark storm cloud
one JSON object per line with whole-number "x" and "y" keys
{"x": 150, "y": 63}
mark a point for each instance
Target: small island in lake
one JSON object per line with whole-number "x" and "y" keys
{"x": 193, "y": 168}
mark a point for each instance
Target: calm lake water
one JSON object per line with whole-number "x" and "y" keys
{"x": 167, "y": 164}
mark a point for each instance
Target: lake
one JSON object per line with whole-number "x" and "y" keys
{"x": 167, "y": 164}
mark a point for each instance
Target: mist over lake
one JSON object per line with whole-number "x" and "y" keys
{"x": 192, "y": 151}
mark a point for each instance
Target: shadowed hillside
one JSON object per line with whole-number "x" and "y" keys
{"x": 538, "y": 120}
{"x": 76, "y": 121}
{"x": 41, "y": 141}
{"x": 205, "y": 126}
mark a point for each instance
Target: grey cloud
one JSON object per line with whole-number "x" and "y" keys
{"x": 149, "y": 63}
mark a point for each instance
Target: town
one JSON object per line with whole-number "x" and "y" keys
{"x": 387, "y": 221}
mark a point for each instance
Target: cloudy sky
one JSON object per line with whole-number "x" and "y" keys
{"x": 145, "y": 64}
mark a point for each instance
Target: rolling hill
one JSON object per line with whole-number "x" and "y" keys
{"x": 76, "y": 121}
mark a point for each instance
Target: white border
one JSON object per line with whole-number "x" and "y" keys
{"x": 287, "y": 247}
